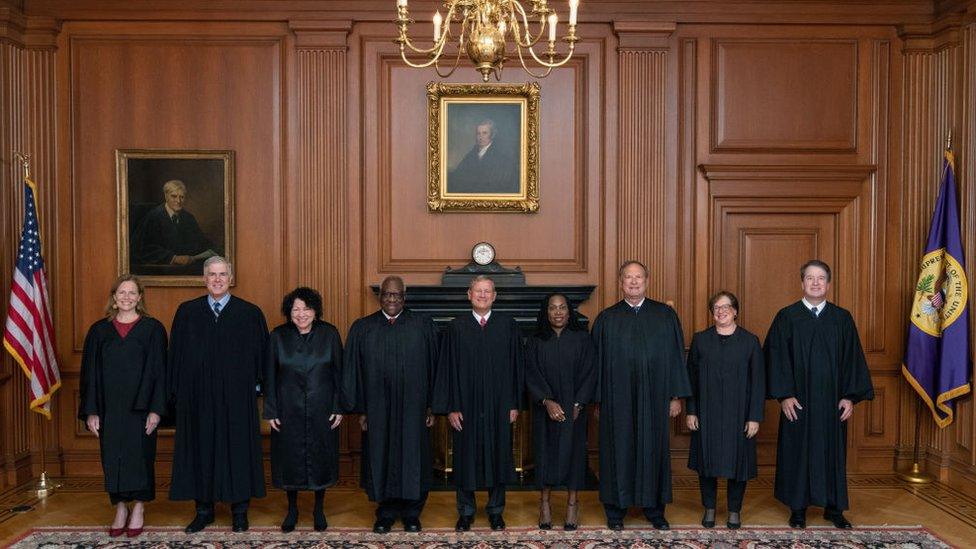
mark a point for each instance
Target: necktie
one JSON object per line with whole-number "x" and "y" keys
{"x": 175, "y": 218}
{"x": 392, "y": 320}
{"x": 216, "y": 308}
{"x": 813, "y": 311}
{"x": 636, "y": 309}
{"x": 482, "y": 321}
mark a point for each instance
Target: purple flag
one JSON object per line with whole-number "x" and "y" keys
{"x": 937, "y": 361}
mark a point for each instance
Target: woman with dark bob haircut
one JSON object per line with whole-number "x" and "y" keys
{"x": 560, "y": 377}
{"x": 728, "y": 387}
{"x": 302, "y": 387}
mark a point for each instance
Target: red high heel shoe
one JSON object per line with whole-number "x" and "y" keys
{"x": 116, "y": 532}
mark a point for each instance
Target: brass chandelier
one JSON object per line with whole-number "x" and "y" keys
{"x": 481, "y": 28}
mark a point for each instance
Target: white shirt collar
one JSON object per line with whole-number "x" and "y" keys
{"x": 643, "y": 299}
{"x": 388, "y": 317}
{"x": 478, "y": 318}
{"x": 809, "y": 305}
{"x": 483, "y": 150}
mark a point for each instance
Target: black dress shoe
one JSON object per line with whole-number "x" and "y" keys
{"x": 837, "y": 518}
{"x": 239, "y": 523}
{"x": 318, "y": 520}
{"x": 198, "y": 523}
{"x": 615, "y": 525}
{"x": 496, "y": 521}
{"x": 382, "y": 525}
{"x": 798, "y": 519}
{"x": 463, "y": 523}
{"x": 734, "y": 522}
{"x": 291, "y": 519}
{"x": 411, "y": 524}
{"x": 660, "y": 523}
{"x": 708, "y": 519}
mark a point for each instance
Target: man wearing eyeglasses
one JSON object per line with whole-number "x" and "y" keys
{"x": 389, "y": 366}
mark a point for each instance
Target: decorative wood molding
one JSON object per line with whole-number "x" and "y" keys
{"x": 37, "y": 32}
{"x": 643, "y": 35}
{"x": 320, "y": 35}
{"x": 767, "y": 172}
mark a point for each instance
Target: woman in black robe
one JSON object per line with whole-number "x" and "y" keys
{"x": 303, "y": 403}
{"x": 122, "y": 395}
{"x": 560, "y": 377}
{"x": 728, "y": 383}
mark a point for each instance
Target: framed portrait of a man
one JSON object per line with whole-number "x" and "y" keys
{"x": 483, "y": 147}
{"x": 175, "y": 210}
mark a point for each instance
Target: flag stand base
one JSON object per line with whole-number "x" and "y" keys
{"x": 44, "y": 487}
{"x": 915, "y": 475}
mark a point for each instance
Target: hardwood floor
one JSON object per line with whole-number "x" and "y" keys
{"x": 875, "y": 500}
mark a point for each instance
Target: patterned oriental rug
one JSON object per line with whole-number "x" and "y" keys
{"x": 437, "y": 538}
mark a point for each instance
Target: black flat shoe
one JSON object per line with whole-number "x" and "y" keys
{"x": 798, "y": 519}
{"x": 660, "y": 523}
{"x": 411, "y": 525}
{"x": 545, "y": 516}
{"x": 198, "y": 523}
{"x": 497, "y": 522}
{"x": 616, "y": 525}
{"x": 463, "y": 523}
{"x": 239, "y": 523}
{"x": 382, "y": 525}
{"x": 572, "y": 517}
{"x": 290, "y": 520}
{"x": 734, "y": 522}
{"x": 837, "y": 518}
{"x": 318, "y": 521}
{"x": 708, "y": 519}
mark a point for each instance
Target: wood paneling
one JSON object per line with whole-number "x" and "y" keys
{"x": 818, "y": 127}
{"x": 785, "y": 95}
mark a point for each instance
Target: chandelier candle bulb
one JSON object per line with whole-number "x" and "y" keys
{"x": 437, "y": 26}
{"x": 403, "y": 3}
{"x": 573, "y": 5}
{"x": 552, "y": 27}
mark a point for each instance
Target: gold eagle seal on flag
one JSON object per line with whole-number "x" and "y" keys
{"x": 940, "y": 293}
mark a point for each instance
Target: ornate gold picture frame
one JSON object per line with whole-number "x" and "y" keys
{"x": 483, "y": 147}
{"x": 175, "y": 209}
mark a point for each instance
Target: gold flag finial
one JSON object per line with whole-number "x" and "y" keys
{"x": 24, "y": 160}
{"x": 949, "y": 140}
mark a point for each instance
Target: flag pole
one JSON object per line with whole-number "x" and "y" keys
{"x": 916, "y": 475}
{"x": 43, "y": 487}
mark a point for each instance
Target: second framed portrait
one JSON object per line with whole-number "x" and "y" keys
{"x": 175, "y": 210}
{"x": 483, "y": 147}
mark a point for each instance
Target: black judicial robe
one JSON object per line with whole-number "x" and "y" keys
{"x": 392, "y": 368}
{"x": 480, "y": 375}
{"x": 302, "y": 388}
{"x": 819, "y": 361}
{"x": 159, "y": 238}
{"x": 728, "y": 388}
{"x": 122, "y": 380}
{"x": 214, "y": 367}
{"x": 642, "y": 367}
{"x": 562, "y": 369}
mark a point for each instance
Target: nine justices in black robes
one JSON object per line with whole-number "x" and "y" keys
{"x": 390, "y": 359}
{"x": 487, "y": 168}
{"x": 728, "y": 391}
{"x": 122, "y": 395}
{"x": 560, "y": 376}
{"x": 817, "y": 371}
{"x": 303, "y": 403}
{"x": 217, "y": 351}
{"x": 479, "y": 387}
{"x": 642, "y": 374}
{"x": 170, "y": 235}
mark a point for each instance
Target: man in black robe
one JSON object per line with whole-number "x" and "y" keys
{"x": 389, "y": 366}
{"x": 640, "y": 352}
{"x": 217, "y": 349}
{"x": 479, "y": 387}
{"x": 818, "y": 373}
{"x": 170, "y": 235}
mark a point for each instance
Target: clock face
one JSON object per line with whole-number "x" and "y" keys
{"x": 483, "y": 253}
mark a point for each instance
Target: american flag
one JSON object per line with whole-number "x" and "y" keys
{"x": 29, "y": 332}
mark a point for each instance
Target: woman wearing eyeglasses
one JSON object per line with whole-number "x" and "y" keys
{"x": 727, "y": 373}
